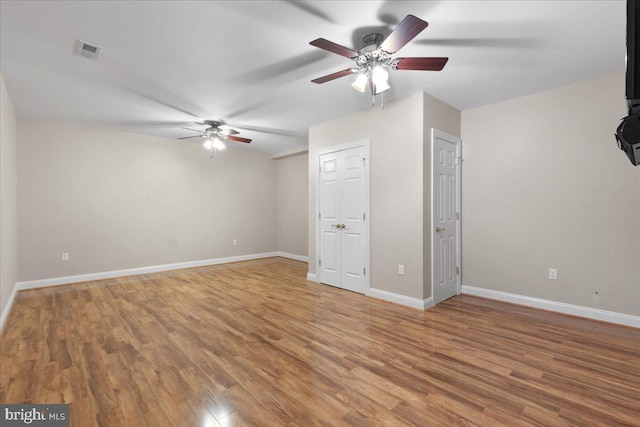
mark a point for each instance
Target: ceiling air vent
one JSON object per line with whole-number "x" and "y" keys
{"x": 85, "y": 49}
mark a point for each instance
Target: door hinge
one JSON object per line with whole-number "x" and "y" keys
{"x": 364, "y": 271}
{"x": 320, "y": 168}
{"x": 319, "y": 215}
{"x": 457, "y": 270}
{"x": 363, "y": 216}
{"x": 457, "y": 215}
{"x": 319, "y": 262}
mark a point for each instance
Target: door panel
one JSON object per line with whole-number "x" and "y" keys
{"x": 352, "y": 278}
{"x": 330, "y": 202}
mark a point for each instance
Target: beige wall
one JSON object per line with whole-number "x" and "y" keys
{"x": 293, "y": 206}
{"x": 544, "y": 186}
{"x": 397, "y": 185}
{"x": 8, "y": 200}
{"x": 445, "y": 118}
{"x": 117, "y": 200}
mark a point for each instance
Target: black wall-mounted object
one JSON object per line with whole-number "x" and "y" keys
{"x": 628, "y": 137}
{"x": 633, "y": 55}
{"x": 628, "y": 132}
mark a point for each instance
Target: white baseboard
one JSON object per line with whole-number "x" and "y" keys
{"x": 134, "y": 271}
{"x": 311, "y": 277}
{"x": 560, "y": 307}
{"x": 401, "y": 299}
{"x": 293, "y": 256}
{"x": 7, "y": 308}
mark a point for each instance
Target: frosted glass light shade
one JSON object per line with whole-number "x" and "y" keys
{"x": 360, "y": 83}
{"x": 379, "y": 77}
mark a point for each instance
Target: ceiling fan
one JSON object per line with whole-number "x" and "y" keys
{"x": 215, "y": 134}
{"x": 375, "y": 57}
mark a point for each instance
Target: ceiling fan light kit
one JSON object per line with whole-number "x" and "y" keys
{"x": 213, "y": 145}
{"x": 376, "y": 56}
{"x": 215, "y": 134}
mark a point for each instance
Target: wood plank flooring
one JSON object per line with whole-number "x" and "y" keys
{"x": 254, "y": 343}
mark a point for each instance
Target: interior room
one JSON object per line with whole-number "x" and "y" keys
{"x": 285, "y": 212}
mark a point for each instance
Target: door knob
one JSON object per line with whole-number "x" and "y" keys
{"x": 439, "y": 229}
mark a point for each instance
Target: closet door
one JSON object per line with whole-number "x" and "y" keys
{"x": 342, "y": 219}
{"x": 445, "y": 216}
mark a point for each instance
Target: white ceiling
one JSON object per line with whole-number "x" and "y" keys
{"x": 165, "y": 64}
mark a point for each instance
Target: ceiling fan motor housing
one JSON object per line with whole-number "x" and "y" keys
{"x": 214, "y": 123}
{"x": 371, "y": 42}
{"x": 370, "y": 54}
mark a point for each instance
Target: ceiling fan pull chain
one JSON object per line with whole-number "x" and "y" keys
{"x": 382, "y": 102}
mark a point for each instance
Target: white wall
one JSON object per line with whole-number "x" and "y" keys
{"x": 398, "y": 141}
{"x": 395, "y": 134}
{"x": 8, "y": 201}
{"x": 293, "y": 206}
{"x": 117, "y": 200}
{"x": 545, "y": 186}
{"x": 445, "y": 118}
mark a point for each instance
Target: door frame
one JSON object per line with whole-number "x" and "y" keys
{"x": 366, "y": 144}
{"x": 435, "y": 133}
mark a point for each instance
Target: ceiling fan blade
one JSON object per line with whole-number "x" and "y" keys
{"x": 406, "y": 30}
{"x": 195, "y": 130}
{"x": 310, "y": 10}
{"x": 272, "y": 131}
{"x": 189, "y": 137}
{"x": 334, "y": 47}
{"x": 487, "y": 42}
{"x": 334, "y": 76}
{"x": 423, "y": 64}
{"x": 238, "y": 139}
{"x": 228, "y": 131}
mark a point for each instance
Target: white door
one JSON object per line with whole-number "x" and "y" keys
{"x": 330, "y": 220}
{"x": 343, "y": 206}
{"x": 445, "y": 214}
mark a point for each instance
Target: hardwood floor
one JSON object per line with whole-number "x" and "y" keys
{"x": 253, "y": 343}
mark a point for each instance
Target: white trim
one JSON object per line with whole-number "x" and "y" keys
{"x": 7, "y": 308}
{"x": 54, "y": 281}
{"x": 401, "y": 299}
{"x": 289, "y": 153}
{"x": 342, "y": 147}
{"x": 435, "y": 133}
{"x": 366, "y": 143}
{"x": 293, "y": 256}
{"x": 559, "y": 307}
{"x": 311, "y": 277}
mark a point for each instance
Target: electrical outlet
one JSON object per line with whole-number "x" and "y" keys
{"x": 401, "y": 269}
{"x": 65, "y": 256}
{"x": 235, "y": 242}
{"x": 553, "y": 274}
